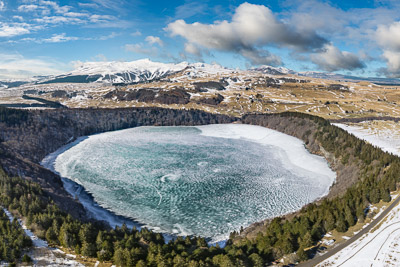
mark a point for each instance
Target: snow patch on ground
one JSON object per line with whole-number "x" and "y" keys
{"x": 41, "y": 253}
{"x": 37, "y": 242}
{"x": 378, "y": 248}
{"x": 386, "y": 139}
{"x": 52, "y": 257}
{"x": 381, "y": 246}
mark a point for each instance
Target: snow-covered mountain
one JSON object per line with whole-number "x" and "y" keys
{"x": 11, "y": 84}
{"x": 130, "y": 72}
{"x": 273, "y": 70}
{"x": 119, "y": 72}
{"x": 144, "y": 70}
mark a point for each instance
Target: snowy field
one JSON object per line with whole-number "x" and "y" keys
{"x": 383, "y": 134}
{"x": 381, "y": 246}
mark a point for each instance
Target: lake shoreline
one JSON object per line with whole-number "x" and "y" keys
{"x": 97, "y": 212}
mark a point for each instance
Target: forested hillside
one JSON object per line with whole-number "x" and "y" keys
{"x": 365, "y": 175}
{"x": 12, "y": 239}
{"x": 378, "y": 173}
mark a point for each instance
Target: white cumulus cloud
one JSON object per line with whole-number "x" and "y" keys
{"x": 57, "y": 8}
{"x": 388, "y": 37}
{"x": 332, "y": 59}
{"x": 251, "y": 28}
{"x": 140, "y": 49}
{"x": 136, "y": 33}
{"x": 154, "y": 40}
{"x": 59, "y": 20}
{"x": 192, "y": 49}
{"x": 15, "y": 66}
{"x": 393, "y": 61}
{"x": 59, "y": 38}
{"x": 10, "y": 30}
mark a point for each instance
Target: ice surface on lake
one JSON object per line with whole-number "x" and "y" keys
{"x": 206, "y": 180}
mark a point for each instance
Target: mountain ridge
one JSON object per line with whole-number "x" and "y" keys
{"x": 145, "y": 70}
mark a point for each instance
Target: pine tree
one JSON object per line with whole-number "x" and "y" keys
{"x": 119, "y": 258}
{"x": 341, "y": 225}
{"x": 349, "y": 217}
{"x": 51, "y": 236}
{"x": 374, "y": 195}
{"x": 256, "y": 260}
{"x": 386, "y": 195}
{"x": 301, "y": 254}
{"x": 306, "y": 240}
{"x": 88, "y": 249}
{"x": 329, "y": 221}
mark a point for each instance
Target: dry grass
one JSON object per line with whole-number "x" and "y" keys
{"x": 379, "y": 127}
{"x": 363, "y": 99}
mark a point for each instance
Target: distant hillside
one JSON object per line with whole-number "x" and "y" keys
{"x": 12, "y": 84}
{"x": 340, "y": 77}
{"x": 145, "y": 70}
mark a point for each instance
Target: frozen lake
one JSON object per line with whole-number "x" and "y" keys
{"x": 206, "y": 180}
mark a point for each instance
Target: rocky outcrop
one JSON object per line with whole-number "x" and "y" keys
{"x": 205, "y": 86}
{"x": 151, "y": 95}
{"x": 334, "y": 87}
{"x": 63, "y": 94}
{"x": 212, "y": 101}
{"x": 175, "y": 96}
{"x": 142, "y": 95}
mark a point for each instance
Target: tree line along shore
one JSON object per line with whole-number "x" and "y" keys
{"x": 365, "y": 175}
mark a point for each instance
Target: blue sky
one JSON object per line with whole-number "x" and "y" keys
{"x": 40, "y": 37}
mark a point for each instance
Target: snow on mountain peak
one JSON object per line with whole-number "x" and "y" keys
{"x": 273, "y": 70}
{"x": 134, "y": 71}
{"x": 116, "y": 67}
